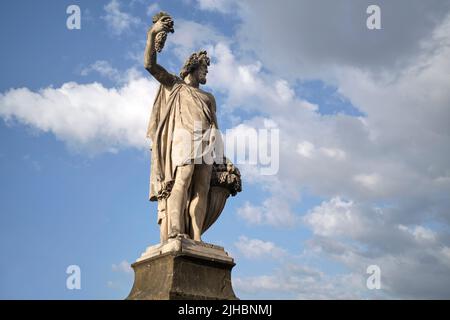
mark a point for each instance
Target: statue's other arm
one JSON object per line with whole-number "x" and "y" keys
{"x": 213, "y": 109}
{"x": 150, "y": 63}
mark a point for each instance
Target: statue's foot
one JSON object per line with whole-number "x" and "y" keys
{"x": 178, "y": 235}
{"x": 173, "y": 235}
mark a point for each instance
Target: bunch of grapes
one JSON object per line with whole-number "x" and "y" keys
{"x": 160, "y": 40}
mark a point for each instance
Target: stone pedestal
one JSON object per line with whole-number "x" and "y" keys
{"x": 183, "y": 269}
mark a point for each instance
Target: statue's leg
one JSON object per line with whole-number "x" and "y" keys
{"x": 163, "y": 233}
{"x": 176, "y": 202}
{"x": 199, "y": 201}
{"x": 163, "y": 220}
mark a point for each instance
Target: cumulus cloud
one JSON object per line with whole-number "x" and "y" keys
{"x": 246, "y": 85}
{"x": 87, "y": 117}
{"x": 329, "y": 217}
{"x": 398, "y": 144}
{"x": 153, "y": 9}
{"x": 124, "y": 266}
{"x": 294, "y": 280}
{"x": 385, "y": 175}
{"x": 357, "y": 236}
{"x": 314, "y": 37}
{"x": 223, "y": 6}
{"x": 117, "y": 20}
{"x": 371, "y": 194}
{"x": 123, "y": 278}
{"x": 191, "y": 36}
{"x": 256, "y": 248}
{"x": 308, "y": 150}
{"x": 106, "y": 70}
{"x": 274, "y": 211}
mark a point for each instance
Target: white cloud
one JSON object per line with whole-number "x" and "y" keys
{"x": 250, "y": 213}
{"x": 305, "y": 149}
{"x": 368, "y": 176}
{"x": 369, "y": 181}
{"x": 401, "y": 142}
{"x": 335, "y": 153}
{"x": 274, "y": 211}
{"x": 444, "y": 254}
{"x": 137, "y": 2}
{"x": 124, "y": 267}
{"x": 359, "y": 236}
{"x": 153, "y": 9}
{"x": 256, "y": 248}
{"x": 308, "y": 150}
{"x": 420, "y": 233}
{"x": 87, "y": 117}
{"x": 298, "y": 281}
{"x": 246, "y": 85}
{"x": 340, "y": 36}
{"x": 285, "y": 93}
{"x": 123, "y": 279}
{"x": 105, "y": 69}
{"x": 411, "y": 272}
{"x": 118, "y": 21}
{"x": 223, "y": 6}
{"x": 191, "y": 36}
{"x": 335, "y": 217}
{"x": 395, "y": 170}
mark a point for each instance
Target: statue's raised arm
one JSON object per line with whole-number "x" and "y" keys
{"x": 156, "y": 37}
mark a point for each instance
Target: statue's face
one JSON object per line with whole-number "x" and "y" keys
{"x": 201, "y": 72}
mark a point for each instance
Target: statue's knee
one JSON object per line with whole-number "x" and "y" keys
{"x": 180, "y": 186}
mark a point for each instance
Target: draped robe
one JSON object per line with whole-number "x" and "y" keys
{"x": 180, "y": 131}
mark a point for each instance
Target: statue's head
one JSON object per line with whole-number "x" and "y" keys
{"x": 196, "y": 65}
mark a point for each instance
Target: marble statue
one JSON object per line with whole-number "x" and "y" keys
{"x": 189, "y": 178}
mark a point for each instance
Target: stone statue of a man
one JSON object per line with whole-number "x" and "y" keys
{"x": 180, "y": 177}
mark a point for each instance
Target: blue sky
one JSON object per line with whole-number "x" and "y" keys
{"x": 363, "y": 119}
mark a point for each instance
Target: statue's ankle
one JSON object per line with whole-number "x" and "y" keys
{"x": 173, "y": 234}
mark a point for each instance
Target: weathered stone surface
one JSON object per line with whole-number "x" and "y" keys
{"x": 189, "y": 176}
{"x": 183, "y": 269}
